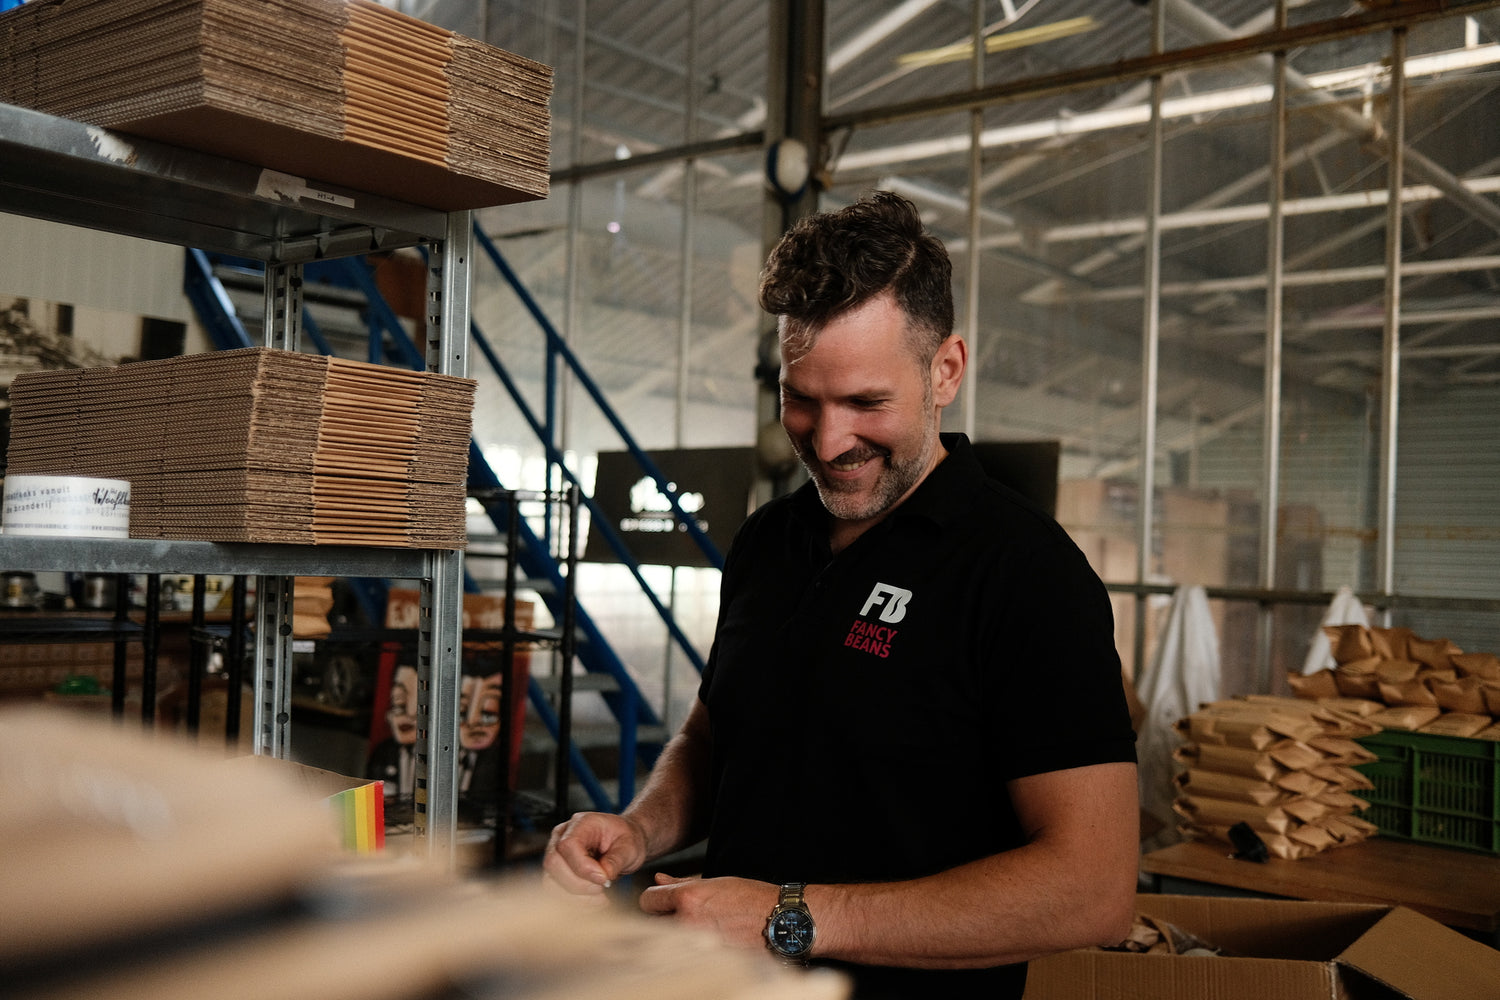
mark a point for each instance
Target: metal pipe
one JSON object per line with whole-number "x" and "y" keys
{"x": 685, "y": 246}
{"x": 197, "y": 655}
{"x": 1385, "y": 556}
{"x": 509, "y": 636}
{"x": 1150, "y": 339}
{"x": 558, "y": 384}
{"x": 1296, "y": 279}
{"x": 565, "y": 654}
{"x": 1231, "y": 215}
{"x": 234, "y": 657}
{"x": 1423, "y": 602}
{"x": 973, "y": 209}
{"x": 1411, "y": 317}
{"x": 150, "y": 647}
{"x": 684, "y": 345}
{"x": 1271, "y": 411}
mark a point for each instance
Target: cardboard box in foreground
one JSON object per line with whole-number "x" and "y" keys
{"x": 1285, "y": 950}
{"x": 357, "y": 805}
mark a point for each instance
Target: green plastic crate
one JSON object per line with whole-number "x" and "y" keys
{"x": 1442, "y": 790}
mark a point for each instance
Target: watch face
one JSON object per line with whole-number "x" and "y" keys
{"x": 791, "y": 933}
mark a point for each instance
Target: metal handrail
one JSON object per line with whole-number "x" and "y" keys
{"x": 630, "y": 709}
{"x": 558, "y": 348}
{"x": 382, "y": 314}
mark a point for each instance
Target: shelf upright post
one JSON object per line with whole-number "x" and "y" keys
{"x": 283, "y": 317}
{"x": 273, "y": 666}
{"x": 440, "y": 626}
{"x": 281, "y": 328}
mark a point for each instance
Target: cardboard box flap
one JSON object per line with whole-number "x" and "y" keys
{"x": 1277, "y": 949}
{"x": 315, "y": 782}
{"x": 1268, "y": 928}
{"x": 1114, "y": 976}
{"x": 357, "y": 804}
{"x": 1424, "y": 960}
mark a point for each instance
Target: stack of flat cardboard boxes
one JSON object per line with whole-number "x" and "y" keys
{"x": 259, "y": 445}
{"x": 342, "y": 91}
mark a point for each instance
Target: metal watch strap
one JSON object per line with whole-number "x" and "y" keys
{"x": 790, "y": 900}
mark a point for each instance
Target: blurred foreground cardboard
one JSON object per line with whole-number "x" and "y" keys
{"x": 1286, "y": 950}
{"x": 112, "y": 830}
{"x": 137, "y": 866}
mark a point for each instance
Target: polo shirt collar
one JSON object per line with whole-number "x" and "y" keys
{"x": 948, "y": 489}
{"x": 941, "y": 496}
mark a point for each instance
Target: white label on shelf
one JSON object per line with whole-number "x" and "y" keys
{"x": 110, "y": 146}
{"x": 289, "y": 187}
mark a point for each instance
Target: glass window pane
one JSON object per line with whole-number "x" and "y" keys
{"x": 1045, "y": 364}
{"x": 866, "y": 42}
{"x": 1057, "y": 349}
{"x": 628, "y": 255}
{"x": 1335, "y": 235}
{"x": 1447, "y": 531}
{"x": 727, "y": 322}
{"x": 1211, "y": 381}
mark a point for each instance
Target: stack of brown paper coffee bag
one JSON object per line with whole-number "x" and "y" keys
{"x": 1284, "y": 766}
{"x": 1425, "y": 685}
{"x": 259, "y": 445}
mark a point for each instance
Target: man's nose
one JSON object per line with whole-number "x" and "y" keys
{"x": 833, "y": 434}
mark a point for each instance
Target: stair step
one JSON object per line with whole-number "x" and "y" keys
{"x": 541, "y": 802}
{"x": 552, "y": 684}
{"x": 591, "y": 736}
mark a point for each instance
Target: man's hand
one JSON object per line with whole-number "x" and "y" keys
{"x": 588, "y": 852}
{"x": 735, "y": 909}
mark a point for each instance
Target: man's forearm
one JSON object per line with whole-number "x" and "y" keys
{"x": 1073, "y": 885}
{"x": 669, "y": 810}
{"x": 975, "y": 916}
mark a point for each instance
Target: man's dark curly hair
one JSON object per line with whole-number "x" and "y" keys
{"x": 832, "y": 262}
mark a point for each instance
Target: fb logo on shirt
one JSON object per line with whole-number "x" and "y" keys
{"x": 892, "y": 602}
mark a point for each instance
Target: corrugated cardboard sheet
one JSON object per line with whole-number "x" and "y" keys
{"x": 259, "y": 445}
{"x": 343, "y": 91}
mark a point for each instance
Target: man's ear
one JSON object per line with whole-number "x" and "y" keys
{"x": 948, "y": 369}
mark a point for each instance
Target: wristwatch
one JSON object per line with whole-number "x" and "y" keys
{"x": 790, "y": 930}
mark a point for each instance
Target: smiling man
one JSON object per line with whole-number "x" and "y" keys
{"x": 911, "y": 754}
{"x": 865, "y": 428}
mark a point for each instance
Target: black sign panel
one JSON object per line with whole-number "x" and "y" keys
{"x": 713, "y": 485}
{"x": 1028, "y": 467}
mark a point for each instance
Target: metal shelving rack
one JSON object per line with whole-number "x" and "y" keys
{"x": 65, "y": 171}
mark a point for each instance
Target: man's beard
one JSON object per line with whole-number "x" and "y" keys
{"x": 846, "y": 502}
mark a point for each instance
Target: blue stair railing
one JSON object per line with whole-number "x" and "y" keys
{"x": 384, "y": 321}
{"x": 388, "y": 339}
{"x": 626, "y": 704}
{"x": 558, "y": 349}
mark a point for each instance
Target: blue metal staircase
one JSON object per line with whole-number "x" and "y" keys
{"x": 641, "y": 734}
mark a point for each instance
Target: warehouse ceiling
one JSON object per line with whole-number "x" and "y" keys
{"x": 1064, "y": 188}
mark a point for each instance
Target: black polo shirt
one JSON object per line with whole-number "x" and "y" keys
{"x": 868, "y": 708}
